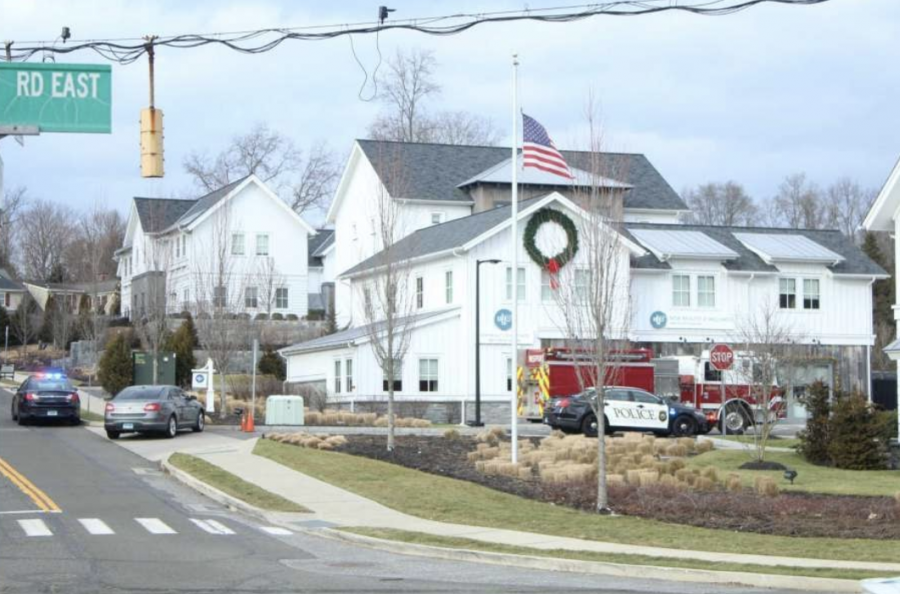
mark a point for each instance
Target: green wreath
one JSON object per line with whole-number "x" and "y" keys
{"x": 557, "y": 261}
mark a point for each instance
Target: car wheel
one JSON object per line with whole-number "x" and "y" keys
{"x": 20, "y": 419}
{"x": 172, "y": 428}
{"x": 112, "y": 434}
{"x": 201, "y": 421}
{"x": 12, "y": 413}
{"x": 684, "y": 426}
{"x": 589, "y": 426}
{"x": 735, "y": 421}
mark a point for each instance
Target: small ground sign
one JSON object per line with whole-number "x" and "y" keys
{"x": 56, "y": 97}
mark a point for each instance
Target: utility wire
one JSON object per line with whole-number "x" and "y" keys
{"x": 128, "y": 50}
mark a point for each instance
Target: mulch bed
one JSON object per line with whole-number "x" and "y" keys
{"x": 788, "y": 514}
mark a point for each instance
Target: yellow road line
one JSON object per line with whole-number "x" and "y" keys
{"x": 28, "y": 488}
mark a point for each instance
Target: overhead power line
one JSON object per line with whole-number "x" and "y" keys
{"x": 128, "y": 50}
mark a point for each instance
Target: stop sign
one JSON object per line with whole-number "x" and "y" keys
{"x": 721, "y": 357}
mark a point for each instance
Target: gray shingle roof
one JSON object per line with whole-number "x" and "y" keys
{"x": 204, "y": 203}
{"x": 433, "y": 171}
{"x": 8, "y": 284}
{"x": 855, "y": 260}
{"x": 350, "y": 335}
{"x": 442, "y": 237}
{"x": 157, "y": 214}
{"x": 317, "y": 243}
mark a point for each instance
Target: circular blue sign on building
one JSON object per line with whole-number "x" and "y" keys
{"x": 503, "y": 319}
{"x": 658, "y": 319}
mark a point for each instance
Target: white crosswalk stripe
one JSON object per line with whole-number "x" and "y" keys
{"x": 35, "y": 528}
{"x": 212, "y": 526}
{"x": 275, "y": 531}
{"x": 96, "y": 526}
{"x": 155, "y": 526}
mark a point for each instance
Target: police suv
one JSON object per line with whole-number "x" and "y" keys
{"x": 626, "y": 409}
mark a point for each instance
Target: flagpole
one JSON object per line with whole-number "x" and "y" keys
{"x": 514, "y": 276}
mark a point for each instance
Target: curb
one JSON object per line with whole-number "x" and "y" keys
{"x": 677, "y": 574}
{"x": 524, "y": 561}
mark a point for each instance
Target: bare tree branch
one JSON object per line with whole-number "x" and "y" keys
{"x": 721, "y": 204}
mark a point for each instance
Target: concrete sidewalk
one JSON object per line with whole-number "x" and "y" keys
{"x": 343, "y": 508}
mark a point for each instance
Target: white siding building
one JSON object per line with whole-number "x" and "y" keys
{"x": 242, "y": 237}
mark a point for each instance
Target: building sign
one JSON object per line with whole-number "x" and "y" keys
{"x": 503, "y": 319}
{"x": 56, "y": 97}
{"x": 200, "y": 380}
{"x": 691, "y": 320}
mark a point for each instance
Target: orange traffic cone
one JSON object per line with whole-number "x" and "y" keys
{"x": 250, "y": 427}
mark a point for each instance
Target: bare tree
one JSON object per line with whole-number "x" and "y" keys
{"x": 386, "y": 298}
{"x": 724, "y": 204}
{"x": 43, "y": 247}
{"x": 64, "y": 322}
{"x": 26, "y": 322}
{"x": 846, "y": 204}
{"x": 592, "y": 292}
{"x": 405, "y": 92}
{"x": 798, "y": 203}
{"x": 269, "y": 280}
{"x": 15, "y": 201}
{"x": 767, "y": 342}
{"x": 97, "y": 234}
{"x": 304, "y": 183}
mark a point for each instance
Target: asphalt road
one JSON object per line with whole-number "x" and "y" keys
{"x": 79, "y": 514}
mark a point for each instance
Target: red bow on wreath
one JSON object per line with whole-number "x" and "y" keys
{"x": 553, "y": 270}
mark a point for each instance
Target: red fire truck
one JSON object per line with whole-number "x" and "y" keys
{"x": 547, "y": 373}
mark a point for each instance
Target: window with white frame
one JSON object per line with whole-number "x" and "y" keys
{"x": 582, "y": 284}
{"x": 706, "y": 291}
{"x": 787, "y": 293}
{"x": 398, "y": 377}
{"x": 420, "y": 292}
{"x": 546, "y": 287}
{"x": 520, "y": 284}
{"x": 262, "y": 244}
{"x": 348, "y": 375}
{"x": 186, "y": 295}
{"x": 251, "y": 297}
{"x": 448, "y": 286}
{"x": 337, "y": 376}
{"x": 281, "y": 298}
{"x": 428, "y": 375}
{"x": 681, "y": 290}
{"x": 184, "y": 245}
{"x": 177, "y": 247}
{"x": 810, "y": 293}
{"x": 437, "y": 218}
{"x": 237, "y": 244}
{"x": 220, "y": 296}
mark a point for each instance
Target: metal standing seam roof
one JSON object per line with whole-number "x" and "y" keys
{"x": 348, "y": 336}
{"x": 855, "y": 261}
{"x": 788, "y": 247}
{"x": 665, "y": 244}
{"x": 435, "y": 171}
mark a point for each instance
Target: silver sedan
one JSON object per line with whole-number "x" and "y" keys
{"x": 164, "y": 409}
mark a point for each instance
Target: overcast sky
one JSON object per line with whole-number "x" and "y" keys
{"x": 750, "y": 97}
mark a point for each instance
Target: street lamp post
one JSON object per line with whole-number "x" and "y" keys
{"x": 477, "y": 422}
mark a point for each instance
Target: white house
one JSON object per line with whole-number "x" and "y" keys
{"x": 685, "y": 286}
{"x": 239, "y": 247}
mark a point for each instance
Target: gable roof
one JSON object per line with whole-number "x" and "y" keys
{"x": 317, "y": 244}
{"x": 442, "y": 237}
{"x": 204, "y": 203}
{"x": 436, "y": 171}
{"x": 880, "y": 216}
{"x": 855, "y": 261}
{"x": 156, "y": 214}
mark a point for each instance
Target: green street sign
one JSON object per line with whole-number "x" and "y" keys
{"x": 56, "y": 97}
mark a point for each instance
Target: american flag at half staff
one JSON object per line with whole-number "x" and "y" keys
{"x": 538, "y": 150}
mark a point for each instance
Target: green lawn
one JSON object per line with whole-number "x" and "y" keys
{"x": 232, "y": 485}
{"x": 91, "y": 416}
{"x": 452, "y": 542}
{"x": 818, "y": 479}
{"x": 449, "y": 500}
{"x": 784, "y": 442}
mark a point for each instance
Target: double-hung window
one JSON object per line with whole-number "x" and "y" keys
{"x": 448, "y": 286}
{"x": 220, "y": 296}
{"x": 582, "y": 284}
{"x": 337, "y": 376}
{"x": 348, "y": 371}
{"x": 251, "y": 297}
{"x": 520, "y": 284}
{"x": 428, "y": 375}
{"x": 546, "y": 289}
{"x": 398, "y": 377}
{"x": 237, "y": 244}
{"x": 810, "y": 293}
{"x": 281, "y": 298}
{"x": 787, "y": 293}
{"x": 681, "y": 290}
{"x": 706, "y": 291}
{"x": 420, "y": 292}
{"x": 262, "y": 244}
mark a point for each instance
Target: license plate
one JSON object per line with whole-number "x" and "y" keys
{"x": 52, "y": 413}
{"x": 127, "y": 426}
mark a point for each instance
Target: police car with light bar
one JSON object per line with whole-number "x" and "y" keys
{"x": 626, "y": 409}
{"x": 47, "y": 395}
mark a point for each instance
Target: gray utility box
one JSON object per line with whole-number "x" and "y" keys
{"x": 284, "y": 410}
